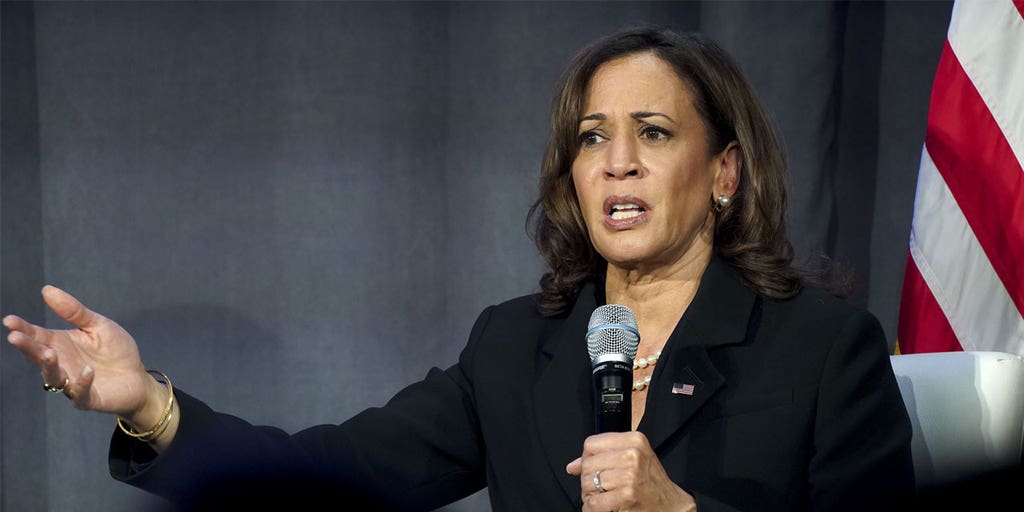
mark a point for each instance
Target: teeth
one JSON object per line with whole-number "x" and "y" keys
{"x": 627, "y": 206}
{"x": 625, "y": 211}
{"x": 616, "y": 215}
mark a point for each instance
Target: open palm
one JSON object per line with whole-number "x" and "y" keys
{"x": 98, "y": 358}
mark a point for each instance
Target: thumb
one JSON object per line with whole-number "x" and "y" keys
{"x": 575, "y": 467}
{"x": 68, "y": 308}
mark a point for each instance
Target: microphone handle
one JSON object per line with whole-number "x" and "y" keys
{"x": 613, "y": 400}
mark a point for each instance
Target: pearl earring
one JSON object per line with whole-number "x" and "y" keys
{"x": 722, "y": 202}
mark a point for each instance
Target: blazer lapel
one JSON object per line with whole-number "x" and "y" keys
{"x": 685, "y": 377}
{"x": 563, "y": 393}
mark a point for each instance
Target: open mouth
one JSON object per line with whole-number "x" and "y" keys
{"x": 625, "y": 211}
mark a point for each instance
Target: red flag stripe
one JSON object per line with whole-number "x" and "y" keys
{"x": 980, "y": 169}
{"x": 957, "y": 271}
{"x": 1020, "y": 6}
{"x": 922, "y": 324}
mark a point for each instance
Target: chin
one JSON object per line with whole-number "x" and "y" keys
{"x": 624, "y": 250}
{"x": 626, "y": 260}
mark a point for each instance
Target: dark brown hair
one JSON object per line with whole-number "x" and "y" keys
{"x": 750, "y": 234}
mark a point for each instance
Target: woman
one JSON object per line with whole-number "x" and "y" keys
{"x": 663, "y": 189}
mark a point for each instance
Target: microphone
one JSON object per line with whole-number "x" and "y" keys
{"x": 612, "y": 339}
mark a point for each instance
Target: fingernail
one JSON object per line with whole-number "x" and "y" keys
{"x": 87, "y": 371}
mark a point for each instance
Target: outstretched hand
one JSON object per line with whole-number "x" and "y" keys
{"x": 98, "y": 360}
{"x": 620, "y": 471}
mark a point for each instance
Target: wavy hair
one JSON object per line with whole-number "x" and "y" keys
{"x": 750, "y": 234}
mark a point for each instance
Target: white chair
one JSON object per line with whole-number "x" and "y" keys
{"x": 967, "y": 410}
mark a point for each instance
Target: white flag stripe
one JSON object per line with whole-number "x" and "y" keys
{"x": 956, "y": 270}
{"x": 989, "y": 43}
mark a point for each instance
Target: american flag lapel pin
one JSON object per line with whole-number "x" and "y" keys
{"x": 682, "y": 389}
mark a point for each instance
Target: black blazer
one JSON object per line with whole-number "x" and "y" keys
{"x": 794, "y": 407}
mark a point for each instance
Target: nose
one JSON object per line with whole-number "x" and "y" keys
{"x": 623, "y": 159}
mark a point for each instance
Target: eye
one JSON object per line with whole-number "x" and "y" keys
{"x": 653, "y": 133}
{"x": 589, "y": 139}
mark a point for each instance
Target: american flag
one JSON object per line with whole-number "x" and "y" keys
{"x": 964, "y": 283}
{"x": 682, "y": 389}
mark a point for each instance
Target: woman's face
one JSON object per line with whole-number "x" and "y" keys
{"x": 644, "y": 174}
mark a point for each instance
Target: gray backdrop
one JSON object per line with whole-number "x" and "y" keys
{"x": 297, "y": 208}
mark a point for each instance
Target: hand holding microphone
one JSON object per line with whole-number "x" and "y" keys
{"x": 619, "y": 469}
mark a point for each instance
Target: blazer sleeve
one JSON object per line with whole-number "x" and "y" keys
{"x": 417, "y": 452}
{"x": 861, "y": 457}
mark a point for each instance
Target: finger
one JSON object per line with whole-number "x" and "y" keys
{"x": 598, "y": 455}
{"x": 29, "y": 347}
{"x": 597, "y": 476}
{"x": 15, "y": 324}
{"x": 11, "y": 321}
{"x": 614, "y": 441}
{"x": 68, "y": 308}
{"x": 49, "y": 366}
{"x": 78, "y": 389}
{"x": 574, "y": 467}
{"x": 597, "y": 462}
{"x": 598, "y": 443}
{"x": 599, "y": 480}
{"x": 602, "y": 501}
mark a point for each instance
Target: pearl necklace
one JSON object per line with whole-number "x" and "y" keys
{"x": 644, "y": 362}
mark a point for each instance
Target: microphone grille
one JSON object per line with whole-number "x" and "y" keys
{"x": 612, "y": 330}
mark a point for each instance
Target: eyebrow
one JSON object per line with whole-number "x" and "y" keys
{"x": 635, "y": 115}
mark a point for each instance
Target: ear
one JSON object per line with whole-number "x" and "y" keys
{"x": 728, "y": 166}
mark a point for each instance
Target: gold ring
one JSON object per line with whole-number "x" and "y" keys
{"x": 60, "y": 389}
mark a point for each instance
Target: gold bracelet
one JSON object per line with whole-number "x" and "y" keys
{"x": 160, "y": 428}
{"x": 165, "y": 419}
